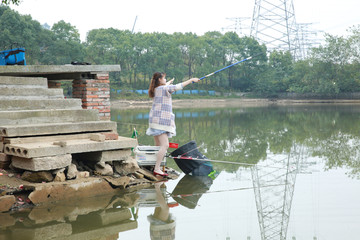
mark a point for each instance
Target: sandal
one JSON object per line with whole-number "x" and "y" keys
{"x": 161, "y": 174}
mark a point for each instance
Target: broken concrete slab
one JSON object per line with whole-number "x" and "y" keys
{"x": 147, "y": 174}
{"x": 60, "y": 177}
{"x": 125, "y": 168}
{"x": 43, "y": 149}
{"x": 6, "y": 202}
{"x": 56, "y": 128}
{"x": 42, "y": 163}
{"x": 120, "y": 182}
{"x": 115, "y": 155}
{"x": 82, "y": 174}
{"x": 47, "y": 116}
{"x": 107, "y": 170}
{"x": 72, "y": 171}
{"x": 5, "y": 160}
{"x": 21, "y": 104}
{"x": 37, "y": 177}
{"x": 138, "y": 175}
{"x": 78, "y": 188}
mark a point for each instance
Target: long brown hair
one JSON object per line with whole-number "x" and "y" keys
{"x": 155, "y": 82}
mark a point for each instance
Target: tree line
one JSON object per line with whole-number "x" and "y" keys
{"x": 330, "y": 69}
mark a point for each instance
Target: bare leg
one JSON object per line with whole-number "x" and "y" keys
{"x": 157, "y": 142}
{"x": 162, "y": 141}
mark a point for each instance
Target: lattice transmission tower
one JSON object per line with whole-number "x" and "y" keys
{"x": 308, "y": 38}
{"x": 274, "y": 24}
{"x": 238, "y": 25}
{"x": 274, "y": 189}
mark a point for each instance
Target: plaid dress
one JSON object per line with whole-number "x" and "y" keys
{"x": 161, "y": 116}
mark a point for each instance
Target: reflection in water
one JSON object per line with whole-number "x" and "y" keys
{"x": 274, "y": 203}
{"x": 249, "y": 135}
{"x": 283, "y": 138}
{"x": 162, "y": 223}
{"x": 189, "y": 190}
{"x": 268, "y": 136}
{"x": 91, "y": 218}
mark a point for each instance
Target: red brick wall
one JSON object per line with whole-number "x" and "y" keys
{"x": 95, "y": 94}
{"x": 54, "y": 84}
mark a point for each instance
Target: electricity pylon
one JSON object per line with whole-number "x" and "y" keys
{"x": 238, "y": 25}
{"x": 308, "y": 38}
{"x": 274, "y": 24}
{"x": 274, "y": 190}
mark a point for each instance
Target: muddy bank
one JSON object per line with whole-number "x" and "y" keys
{"x": 233, "y": 102}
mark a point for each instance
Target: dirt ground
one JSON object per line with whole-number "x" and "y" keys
{"x": 230, "y": 102}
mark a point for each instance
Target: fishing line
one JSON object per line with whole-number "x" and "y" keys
{"x": 221, "y": 161}
{"x": 126, "y": 123}
{"x": 219, "y": 191}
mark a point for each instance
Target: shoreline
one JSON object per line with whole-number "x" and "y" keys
{"x": 232, "y": 102}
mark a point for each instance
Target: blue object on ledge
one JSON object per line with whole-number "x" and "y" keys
{"x": 14, "y": 56}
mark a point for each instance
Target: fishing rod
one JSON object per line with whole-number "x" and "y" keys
{"x": 210, "y": 74}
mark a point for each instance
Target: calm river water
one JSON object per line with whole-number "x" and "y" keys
{"x": 295, "y": 176}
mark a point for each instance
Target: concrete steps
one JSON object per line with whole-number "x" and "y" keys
{"x": 22, "y": 104}
{"x": 43, "y": 149}
{"x": 56, "y": 128}
{"x": 23, "y": 88}
{"x": 30, "y": 93}
{"x": 27, "y": 82}
{"x": 42, "y": 130}
{"x": 25, "y": 117}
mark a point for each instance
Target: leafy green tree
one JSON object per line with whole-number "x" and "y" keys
{"x": 8, "y": 2}
{"x": 192, "y": 51}
{"x": 111, "y": 46}
{"x": 276, "y": 78}
{"x": 65, "y": 47}
{"x": 22, "y": 31}
{"x": 215, "y": 52}
{"x": 248, "y": 73}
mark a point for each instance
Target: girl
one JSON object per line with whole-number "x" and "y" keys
{"x": 161, "y": 118}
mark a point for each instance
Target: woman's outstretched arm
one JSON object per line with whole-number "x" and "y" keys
{"x": 192, "y": 80}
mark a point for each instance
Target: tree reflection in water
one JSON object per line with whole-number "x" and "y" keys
{"x": 250, "y": 134}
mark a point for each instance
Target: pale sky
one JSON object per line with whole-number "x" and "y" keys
{"x": 197, "y": 16}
